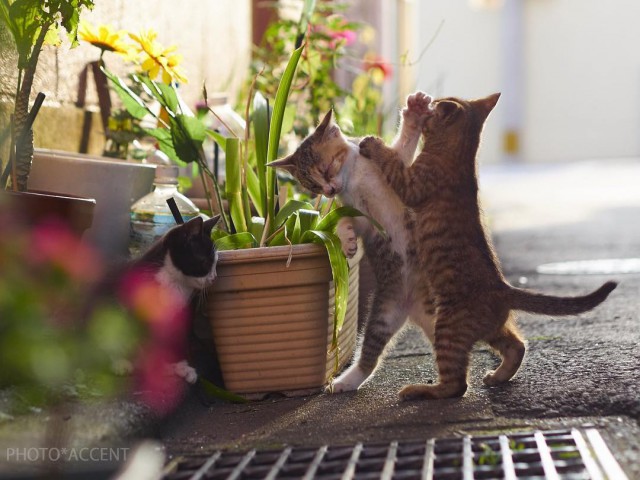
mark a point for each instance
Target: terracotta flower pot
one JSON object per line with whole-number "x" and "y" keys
{"x": 272, "y": 324}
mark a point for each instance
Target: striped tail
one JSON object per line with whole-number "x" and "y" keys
{"x": 518, "y": 299}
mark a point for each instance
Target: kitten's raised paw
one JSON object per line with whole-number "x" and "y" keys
{"x": 418, "y": 106}
{"x": 370, "y": 145}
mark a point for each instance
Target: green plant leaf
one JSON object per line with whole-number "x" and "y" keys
{"x": 340, "y": 271}
{"x": 307, "y": 219}
{"x": 234, "y": 185}
{"x": 261, "y": 136}
{"x": 165, "y": 143}
{"x": 188, "y": 134}
{"x": 275, "y": 127}
{"x": 236, "y": 241}
{"x": 221, "y": 140}
{"x": 23, "y": 19}
{"x": 217, "y": 392}
{"x": 253, "y": 188}
{"x": 330, "y": 220}
{"x": 289, "y": 209}
{"x": 131, "y": 101}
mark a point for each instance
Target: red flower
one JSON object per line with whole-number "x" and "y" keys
{"x": 54, "y": 243}
{"x": 159, "y": 306}
{"x": 377, "y": 63}
{"x": 159, "y": 389}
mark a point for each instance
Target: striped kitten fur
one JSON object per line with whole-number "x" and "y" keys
{"x": 328, "y": 163}
{"x": 454, "y": 269}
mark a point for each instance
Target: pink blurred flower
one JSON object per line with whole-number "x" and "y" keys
{"x": 348, "y": 37}
{"x": 56, "y": 244}
{"x": 159, "y": 306}
{"x": 159, "y": 390}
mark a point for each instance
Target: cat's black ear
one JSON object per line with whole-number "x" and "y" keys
{"x": 193, "y": 226}
{"x": 209, "y": 224}
{"x": 287, "y": 163}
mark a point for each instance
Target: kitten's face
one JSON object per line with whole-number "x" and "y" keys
{"x": 192, "y": 251}
{"x": 318, "y": 161}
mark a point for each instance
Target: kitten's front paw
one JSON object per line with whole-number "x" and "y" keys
{"x": 348, "y": 238}
{"x": 369, "y": 146}
{"x": 349, "y": 381}
{"x": 183, "y": 370}
{"x": 418, "y": 107}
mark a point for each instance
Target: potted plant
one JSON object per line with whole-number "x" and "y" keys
{"x": 285, "y": 293}
{"x": 32, "y": 23}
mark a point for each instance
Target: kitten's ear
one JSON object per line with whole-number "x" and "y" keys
{"x": 327, "y": 129}
{"x": 326, "y": 121}
{"x": 209, "y": 224}
{"x": 193, "y": 226}
{"x": 446, "y": 108}
{"x": 488, "y": 103}
{"x": 287, "y": 163}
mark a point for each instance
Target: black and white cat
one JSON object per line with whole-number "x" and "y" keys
{"x": 180, "y": 263}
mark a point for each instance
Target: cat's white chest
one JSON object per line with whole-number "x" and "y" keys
{"x": 368, "y": 192}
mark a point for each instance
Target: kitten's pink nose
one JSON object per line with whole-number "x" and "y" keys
{"x": 329, "y": 190}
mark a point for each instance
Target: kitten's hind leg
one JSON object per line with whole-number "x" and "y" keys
{"x": 510, "y": 345}
{"x": 385, "y": 319}
{"x": 452, "y": 347}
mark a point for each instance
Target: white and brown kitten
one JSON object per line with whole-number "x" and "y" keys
{"x": 328, "y": 163}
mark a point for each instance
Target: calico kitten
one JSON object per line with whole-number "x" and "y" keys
{"x": 328, "y": 163}
{"x": 450, "y": 253}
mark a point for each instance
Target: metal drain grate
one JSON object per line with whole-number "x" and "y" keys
{"x": 567, "y": 454}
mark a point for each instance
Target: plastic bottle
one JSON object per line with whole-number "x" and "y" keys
{"x": 151, "y": 217}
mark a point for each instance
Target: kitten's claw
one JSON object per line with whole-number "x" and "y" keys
{"x": 369, "y": 146}
{"x": 348, "y": 238}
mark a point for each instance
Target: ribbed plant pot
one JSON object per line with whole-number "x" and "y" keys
{"x": 272, "y": 324}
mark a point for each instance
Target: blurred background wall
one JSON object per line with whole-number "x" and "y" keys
{"x": 569, "y": 71}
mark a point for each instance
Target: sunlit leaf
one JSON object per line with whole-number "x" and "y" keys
{"x": 236, "y": 241}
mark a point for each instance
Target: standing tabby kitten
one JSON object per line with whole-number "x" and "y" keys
{"x": 328, "y": 163}
{"x": 451, "y": 254}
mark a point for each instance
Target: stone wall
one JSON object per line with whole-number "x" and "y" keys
{"x": 213, "y": 36}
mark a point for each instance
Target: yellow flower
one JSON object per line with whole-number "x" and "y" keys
{"x": 104, "y": 37}
{"x": 158, "y": 59}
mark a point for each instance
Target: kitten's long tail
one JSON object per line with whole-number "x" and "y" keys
{"x": 519, "y": 299}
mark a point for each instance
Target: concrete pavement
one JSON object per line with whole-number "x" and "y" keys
{"x": 582, "y": 369}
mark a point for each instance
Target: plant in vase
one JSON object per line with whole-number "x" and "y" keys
{"x": 33, "y": 23}
{"x": 264, "y": 227}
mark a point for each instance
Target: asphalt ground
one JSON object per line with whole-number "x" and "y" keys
{"x": 578, "y": 370}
